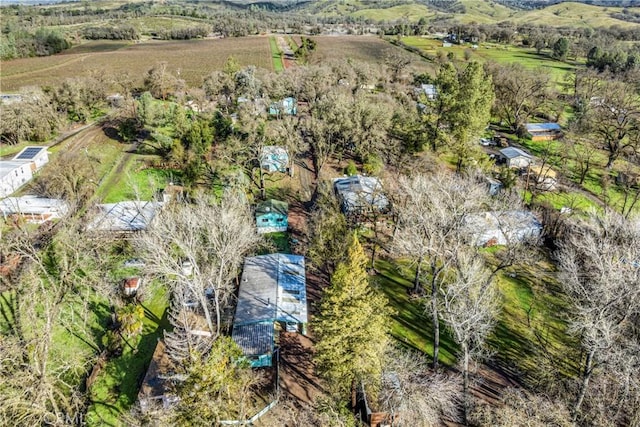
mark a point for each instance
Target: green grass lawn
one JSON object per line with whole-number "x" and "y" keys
{"x": 503, "y": 54}
{"x": 139, "y": 181}
{"x": 276, "y": 57}
{"x": 116, "y": 388}
{"x": 530, "y": 330}
{"x": 410, "y": 325}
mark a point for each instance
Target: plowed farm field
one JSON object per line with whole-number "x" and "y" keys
{"x": 192, "y": 60}
{"x": 369, "y": 49}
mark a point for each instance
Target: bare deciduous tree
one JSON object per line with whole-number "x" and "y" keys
{"x": 614, "y": 117}
{"x": 198, "y": 248}
{"x": 521, "y": 408}
{"x": 416, "y": 395}
{"x": 470, "y": 303}
{"x": 431, "y": 218}
{"x": 601, "y": 277}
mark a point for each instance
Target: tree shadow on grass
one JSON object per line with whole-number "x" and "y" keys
{"x": 414, "y": 325}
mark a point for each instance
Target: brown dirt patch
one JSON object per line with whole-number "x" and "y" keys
{"x": 297, "y": 370}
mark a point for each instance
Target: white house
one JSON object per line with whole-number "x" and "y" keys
{"x": 13, "y": 175}
{"x": 37, "y": 155}
{"x": 429, "y": 90}
{"x": 360, "y": 194}
{"x": 34, "y": 209}
{"x": 18, "y": 171}
{"x": 502, "y": 228}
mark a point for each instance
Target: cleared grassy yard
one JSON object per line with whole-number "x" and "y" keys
{"x": 116, "y": 388}
{"x": 530, "y": 332}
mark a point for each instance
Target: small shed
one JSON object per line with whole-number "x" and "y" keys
{"x": 515, "y": 157}
{"x": 131, "y": 285}
{"x": 360, "y": 194}
{"x": 494, "y": 186}
{"x": 543, "y": 131}
{"x": 285, "y": 107}
{"x": 272, "y": 289}
{"x": 272, "y": 216}
{"x": 502, "y": 228}
{"x": 34, "y": 209}
{"x": 274, "y": 158}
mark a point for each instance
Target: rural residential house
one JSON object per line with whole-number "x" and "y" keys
{"x": 33, "y": 209}
{"x": 274, "y": 158}
{"x": 285, "y": 107}
{"x": 18, "y": 171}
{"x": 543, "y": 131}
{"x": 125, "y": 216}
{"x": 515, "y": 157}
{"x": 272, "y": 289}
{"x": 502, "y": 228}
{"x": 13, "y": 175}
{"x": 272, "y": 216}
{"x": 428, "y": 90}
{"x": 360, "y": 194}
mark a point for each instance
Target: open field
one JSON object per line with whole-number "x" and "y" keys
{"x": 495, "y": 52}
{"x": 569, "y": 14}
{"x": 370, "y": 49}
{"x": 192, "y": 60}
{"x": 411, "y": 326}
{"x": 412, "y": 12}
{"x": 138, "y": 181}
{"x": 575, "y": 15}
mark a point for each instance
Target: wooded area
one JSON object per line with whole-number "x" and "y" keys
{"x": 445, "y": 284}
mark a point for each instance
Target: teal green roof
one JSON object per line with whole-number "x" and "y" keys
{"x": 272, "y": 205}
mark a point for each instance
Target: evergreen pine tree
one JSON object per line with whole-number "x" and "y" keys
{"x": 352, "y": 326}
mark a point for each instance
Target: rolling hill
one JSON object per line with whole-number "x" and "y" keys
{"x": 565, "y": 13}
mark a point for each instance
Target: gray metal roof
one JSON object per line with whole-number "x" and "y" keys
{"x": 502, "y": 228}
{"x": 124, "y": 216}
{"x": 273, "y": 287}
{"x": 33, "y": 205}
{"x": 542, "y": 127}
{"x": 513, "y": 152}
{"x": 360, "y": 193}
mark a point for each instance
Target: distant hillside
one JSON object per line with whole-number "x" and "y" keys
{"x": 585, "y": 13}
